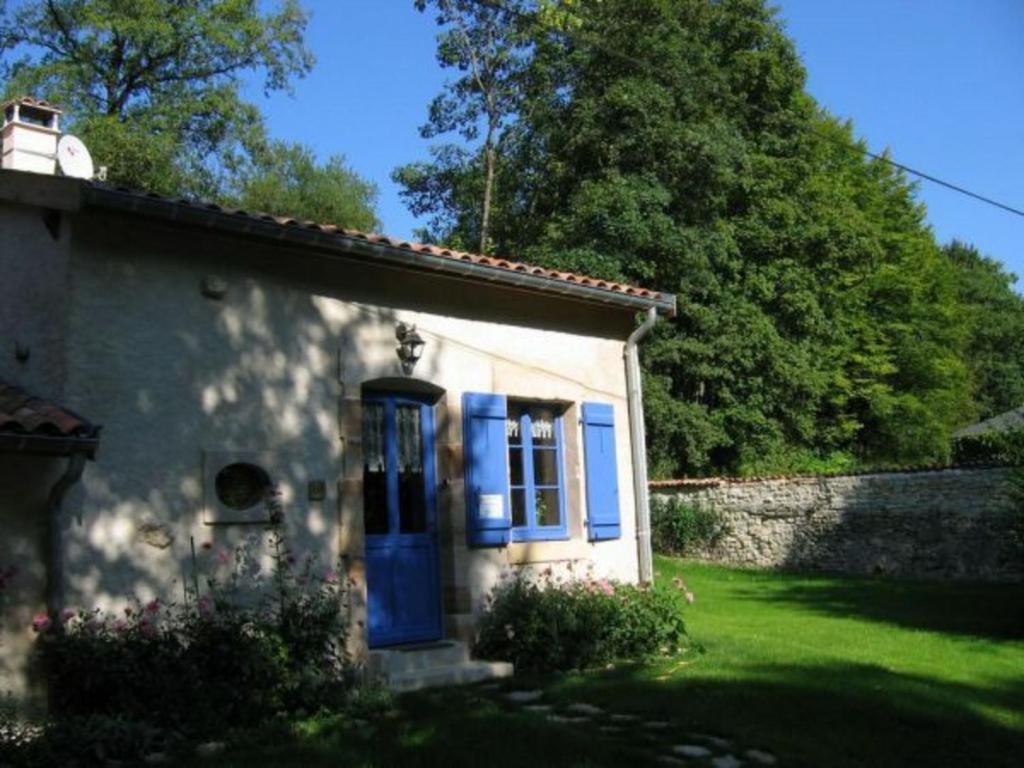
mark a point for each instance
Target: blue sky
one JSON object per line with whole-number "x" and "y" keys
{"x": 939, "y": 82}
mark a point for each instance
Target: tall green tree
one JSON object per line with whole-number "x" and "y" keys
{"x": 672, "y": 143}
{"x": 485, "y": 44}
{"x": 154, "y": 86}
{"x": 286, "y": 180}
{"x": 995, "y": 320}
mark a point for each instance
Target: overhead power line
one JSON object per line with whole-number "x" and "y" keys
{"x": 855, "y": 145}
{"x": 940, "y": 182}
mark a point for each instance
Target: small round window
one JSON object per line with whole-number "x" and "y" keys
{"x": 241, "y": 485}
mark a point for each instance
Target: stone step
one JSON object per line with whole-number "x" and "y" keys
{"x": 463, "y": 673}
{"x": 412, "y": 658}
{"x": 431, "y": 665}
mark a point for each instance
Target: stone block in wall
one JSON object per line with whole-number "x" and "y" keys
{"x": 356, "y": 642}
{"x": 350, "y": 517}
{"x": 154, "y": 534}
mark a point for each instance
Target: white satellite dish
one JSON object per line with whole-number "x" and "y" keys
{"x": 75, "y": 160}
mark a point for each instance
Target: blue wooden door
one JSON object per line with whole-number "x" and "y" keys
{"x": 399, "y": 515}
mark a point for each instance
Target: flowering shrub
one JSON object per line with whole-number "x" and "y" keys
{"x": 555, "y": 625}
{"x": 216, "y": 660}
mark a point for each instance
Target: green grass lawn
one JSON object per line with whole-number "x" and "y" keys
{"x": 818, "y": 670}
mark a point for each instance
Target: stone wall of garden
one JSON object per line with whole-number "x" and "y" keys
{"x": 948, "y": 524}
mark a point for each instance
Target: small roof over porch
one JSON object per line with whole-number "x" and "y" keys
{"x": 30, "y": 424}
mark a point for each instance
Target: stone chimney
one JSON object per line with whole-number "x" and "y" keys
{"x": 29, "y": 135}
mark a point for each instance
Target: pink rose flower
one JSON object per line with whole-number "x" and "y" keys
{"x": 40, "y": 622}
{"x": 331, "y": 577}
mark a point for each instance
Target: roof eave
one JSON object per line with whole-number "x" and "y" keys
{"x": 48, "y": 445}
{"x": 355, "y": 247}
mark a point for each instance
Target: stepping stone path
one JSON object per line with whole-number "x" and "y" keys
{"x": 692, "y": 750}
{"x": 700, "y": 749}
{"x": 715, "y": 741}
{"x": 524, "y": 697}
{"x": 564, "y": 719}
{"x": 624, "y": 718}
{"x": 585, "y": 709}
{"x": 759, "y": 756}
{"x": 210, "y": 748}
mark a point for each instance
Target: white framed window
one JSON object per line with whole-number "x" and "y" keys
{"x": 536, "y": 470}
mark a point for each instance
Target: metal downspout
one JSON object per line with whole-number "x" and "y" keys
{"x": 638, "y": 446}
{"x": 54, "y": 536}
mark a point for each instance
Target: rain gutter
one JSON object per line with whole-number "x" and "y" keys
{"x": 638, "y": 445}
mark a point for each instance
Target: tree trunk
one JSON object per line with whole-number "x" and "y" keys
{"x": 485, "y": 219}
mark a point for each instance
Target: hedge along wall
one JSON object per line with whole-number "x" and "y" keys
{"x": 949, "y": 523}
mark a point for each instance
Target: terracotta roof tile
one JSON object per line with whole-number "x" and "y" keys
{"x": 21, "y": 413}
{"x": 414, "y": 247}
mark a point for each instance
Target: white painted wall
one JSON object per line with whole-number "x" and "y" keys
{"x": 171, "y": 373}
{"x": 33, "y": 282}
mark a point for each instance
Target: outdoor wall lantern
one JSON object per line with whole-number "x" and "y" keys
{"x": 410, "y": 346}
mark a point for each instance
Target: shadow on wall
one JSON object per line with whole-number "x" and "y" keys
{"x": 952, "y": 524}
{"x": 24, "y": 484}
{"x": 172, "y": 374}
{"x": 945, "y": 524}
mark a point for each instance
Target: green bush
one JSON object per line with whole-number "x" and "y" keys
{"x": 788, "y": 460}
{"x": 213, "y": 662}
{"x": 990, "y": 447}
{"x": 678, "y": 528}
{"x": 560, "y": 626}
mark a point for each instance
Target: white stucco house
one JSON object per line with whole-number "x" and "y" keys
{"x": 430, "y": 419}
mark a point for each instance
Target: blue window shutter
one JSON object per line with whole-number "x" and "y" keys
{"x": 485, "y": 446}
{"x": 602, "y": 475}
